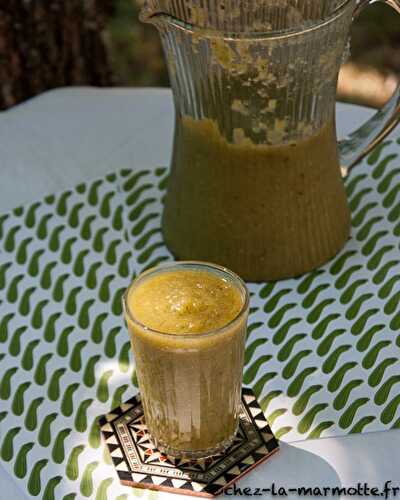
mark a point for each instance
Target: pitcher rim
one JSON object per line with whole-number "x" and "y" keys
{"x": 145, "y": 16}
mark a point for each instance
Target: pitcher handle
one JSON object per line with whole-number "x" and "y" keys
{"x": 358, "y": 144}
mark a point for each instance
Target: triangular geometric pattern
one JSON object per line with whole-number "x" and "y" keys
{"x": 138, "y": 463}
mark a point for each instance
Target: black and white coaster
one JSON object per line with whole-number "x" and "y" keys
{"x": 139, "y": 464}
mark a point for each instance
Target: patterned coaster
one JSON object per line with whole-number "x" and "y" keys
{"x": 139, "y": 464}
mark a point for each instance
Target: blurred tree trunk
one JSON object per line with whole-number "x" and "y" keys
{"x": 51, "y": 43}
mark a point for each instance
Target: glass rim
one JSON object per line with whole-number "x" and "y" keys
{"x": 237, "y": 280}
{"x": 247, "y": 35}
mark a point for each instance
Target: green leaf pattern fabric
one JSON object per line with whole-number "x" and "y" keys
{"x": 322, "y": 350}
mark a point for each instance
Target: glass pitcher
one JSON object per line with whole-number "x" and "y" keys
{"x": 256, "y": 173}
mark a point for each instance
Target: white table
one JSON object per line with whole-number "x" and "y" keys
{"x": 65, "y": 136}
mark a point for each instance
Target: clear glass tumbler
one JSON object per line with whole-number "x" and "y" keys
{"x": 190, "y": 384}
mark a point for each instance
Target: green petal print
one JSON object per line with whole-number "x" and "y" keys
{"x": 361, "y": 424}
{"x": 124, "y": 357}
{"x": 79, "y": 264}
{"x": 104, "y": 289}
{"x": 50, "y": 328}
{"x": 20, "y": 465}
{"x": 116, "y": 306}
{"x": 378, "y": 373}
{"x": 389, "y": 412}
{"x": 307, "y": 282}
{"x": 62, "y": 344}
{"x": 7, "y": 447}
{"x": 91, "y": 277}
{"x": 251, "y": 349}
{"x": 30, "y": 218}
{"x": 81, "y": 417}
{"x": 97, "y": 329}
{"x": 337, "y": 378}
{"x": 54, "y": 241}
{"x": 61, "y": 207}
{"x": 365, "y": 341}
{"x": 33, "y": 267}
{"x": 278, "y": 316}
{"x": 58, "y": 451}
{"x": 283, "y": 330}
{"x": 31, "y": 415}
{"x": 50, "y": 487}
{"x": 94, "y": 434}
{"x": 41, "y": 232}
{"x": 370, "y": 358}
{"x": 342, "y": 398}
{"x": 110, "y": 347}
{"x": 3, "y": 273}
{"x": 75, "y": 362}
{"x": 251, "y": 372}
{"x": 123, "y": 268}
{"x": 302, "y": 402}
{"x": 375, "y": 261}
{"x": 40, "y": 376}
{"x": 325, "y": 346}
{"x": 45, "y": 429}
{"x": 143, "y": 223}
{"x": 73, "y": 219}
{"x": 348, "y": 416}
{"x": 275, "y": 415}
{"x": 331, "y": 362}
{"x": 117, "y": 222}
{"x": 359, "y": 325}
{"x": 9, "y": 243}
{"x": 27, "y": 357}
{"x": 352, "y": 184}
{"x": 102, "y": 489}
{"x": 5, "y": 383}
{"x": 338, "y": 266}
{"x": 89, "y": 377}
{"x": 382, "y": 395}
{"x": 146, "y": 238}
{"x": 71, "y": 306}
{"x": 67, "y": 406}
{"x": 291, "y": 367}
{"x": 297, "y": 384}
{"x": 12, "y": 291}
{"x": 266, "y": 400}
{"x": 45, "y": 279}
{"x": 86, "y": 485}
{"x": 98, "y": 241}
{"x": 273, "y": 302}
{"x": 320, "y": 429}
{"x": 66, "y": 252}
{"x": 105, "y": 210}
{"x": 117, "y": 397}
{"x": 58, "y": 289}
{"x": 34, "y": 482}
{"x": 258, "y": 387}
{"x": 316, "y": 313}
{"x": 102, "y": 388}
{"x": 14, "y": 347}
{"x": 92, "y": 194}
{"x": 308, "y": 419}
{"x": 22, "y": 254}
{"x": 282, "y": 431}
{"x": 86, "y": 230}
{"x": 37, "y": 315}
{"x": 72, "y": 468}
{"x": 4, "y": 327}
{"x": 360, "y": 216}
{"x": 310, "y": 299}
{"x": 18, "y": 404}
